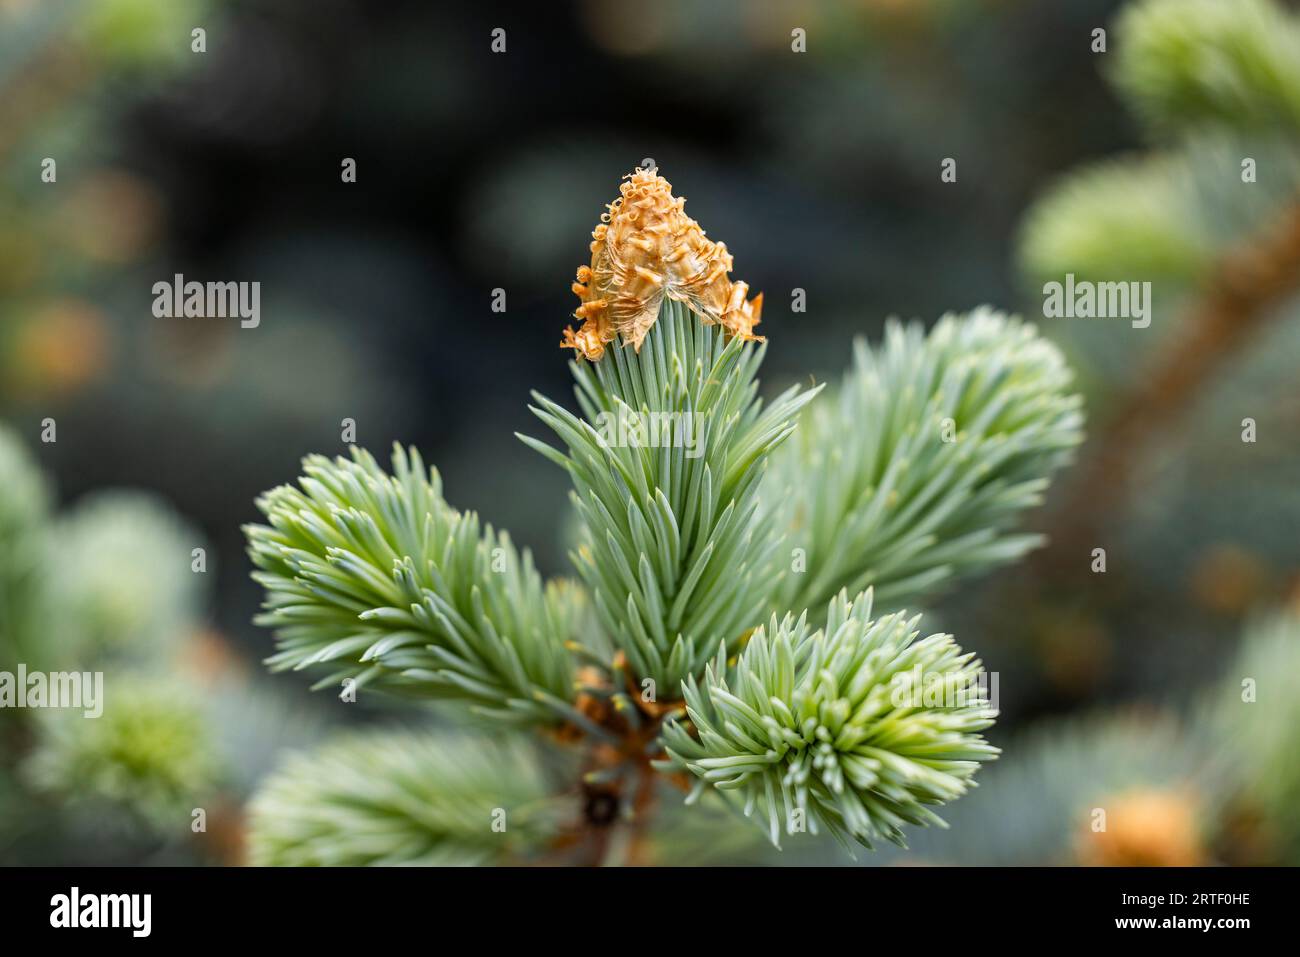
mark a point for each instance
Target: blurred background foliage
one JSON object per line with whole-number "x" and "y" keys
{"x": 479, "y": 171}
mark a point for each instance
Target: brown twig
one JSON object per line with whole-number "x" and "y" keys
{"x": 643, "y": 801}
{"x": 610, "y": 766}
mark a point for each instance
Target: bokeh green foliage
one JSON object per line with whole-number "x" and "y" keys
{"x": 1184, "y": 63}
{"x": 103, "y": 587}
{"x": 140, "y": 34}
{"x": 149, "y": 753}
{"x": 1212, "y": 84}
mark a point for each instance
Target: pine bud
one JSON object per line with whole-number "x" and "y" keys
{"x": 646, "y": 248}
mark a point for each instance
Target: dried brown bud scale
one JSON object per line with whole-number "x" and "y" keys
{"x": 644, "y": 249}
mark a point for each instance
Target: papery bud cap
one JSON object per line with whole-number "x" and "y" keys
{"x": 646, "y": 248}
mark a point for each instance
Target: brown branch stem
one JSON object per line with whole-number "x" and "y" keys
{"x": 613, "y": 822}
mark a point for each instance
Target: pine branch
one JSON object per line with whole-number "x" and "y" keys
{"x": 374, "y": 577}
{"x": 857, "y": 727}
{"x": 676, "y": 550}
{"x": 403, "y": 797}
{"x": 880, "y": 491}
